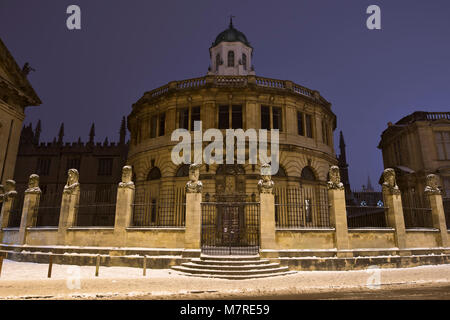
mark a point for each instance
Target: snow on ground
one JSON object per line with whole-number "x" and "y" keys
{"x": 29, "y": 280}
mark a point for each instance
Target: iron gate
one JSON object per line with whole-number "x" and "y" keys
{"x": 230, "y": 228}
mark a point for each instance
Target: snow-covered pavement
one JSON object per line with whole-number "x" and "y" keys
{"x": 29, "y": 280}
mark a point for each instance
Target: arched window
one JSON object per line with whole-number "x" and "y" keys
{"x": 183, "y": 171}
{"x": 308, "y": 174}
{"x": 231, "y": 58}
{"x": 244, "y": 61}
{"x": 154, "y": 174}
{"x": 217, "y": 62}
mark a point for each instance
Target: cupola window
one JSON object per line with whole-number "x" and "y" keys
{"x": 244, "y": 61}
{"x": 217, "y": 62}
{"x": 231, "y": 58}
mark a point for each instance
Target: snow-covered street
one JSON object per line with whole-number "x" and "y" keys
{"x": 20, "y": 280}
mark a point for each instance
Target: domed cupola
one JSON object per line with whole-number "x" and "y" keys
{"x": 231, "y": 53}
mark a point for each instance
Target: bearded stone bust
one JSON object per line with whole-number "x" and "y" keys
{"x": 194, "y": 185}
{"x": 127, "y": 175}
{"x": 432, "y": 185}
{"x": 335, "y": 179}
{"x": 10, "y": 190}
{"x": 389, "y": 184}
{"x": 33, "y": 185}
{"x": 72, "y": 182}
{"x": 265, "y": 184}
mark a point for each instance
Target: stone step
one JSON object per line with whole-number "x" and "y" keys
{"x": 230, "y": 258}
{"x": 229, "y": 262}
{"x": 241, "y": 277}
{"x": 213, "y": 272}
{"x": 230, "y": 267}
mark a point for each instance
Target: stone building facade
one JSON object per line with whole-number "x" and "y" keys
{"x": 231, "y": 96}
{"x": 16, "y": 94}
{"x": 418, "y": 145}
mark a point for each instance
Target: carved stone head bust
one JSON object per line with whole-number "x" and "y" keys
{"x": 389, "y": 183}
{"x": 72, "y": 181}
{"x": 335, "y": 178}
{"x": 10, "y": 186}
{"x": 127, "y": 176}
{"x": 194, "y": 185}
{"x": 432, "y": 184}
{"x": 265, "y": 185}
{"x": 33, "y": 184}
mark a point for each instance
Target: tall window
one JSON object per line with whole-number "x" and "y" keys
{"x": 231, "y": 58}
{"x": 271, "y": 118}
{"x": 105, "y": 167}
{"x": 224, "y": 117}
{"x": 309, "y": 125}
{"x": 162, "y": 124}
{"x": 276, "y": 118}
{"x": 217, "y": 62}
{"x": 153, "y": 126}
{"x": 244, "y": 61}
{"x": 195, "y": 116}
{"x": 235, "y": 122}
{"x": 398, "y": 152}
{"x": 183, "y": 118}
{"x": 443, "y": 144}
{"x": 325, "y": 137}
{"x": 187, "y": 116}
{"x": 73, "y": 163}
{"x": 265, "y": 117}
{"x": 236, "y": 117}
{"x": 300, "y": 126}
{"x": 43, "y": 166}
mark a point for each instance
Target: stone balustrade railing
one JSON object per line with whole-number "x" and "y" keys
{"x": 235, "y": 81}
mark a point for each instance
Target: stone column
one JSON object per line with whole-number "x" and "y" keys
{"x": 267, "y": 214}
{"x": 69, "y": 203}
{"x": 393, "y": 200}
{"x": 338, "y": 213}
{"x": 124, "y": 206}
{"x": 192, "y": 234}
{"x": 437, "y": 210}
{"x": 8, "y": 200}
{"x": 30, "y": 206}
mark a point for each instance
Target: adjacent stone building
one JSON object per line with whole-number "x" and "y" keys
{"x": 16, "y": 94}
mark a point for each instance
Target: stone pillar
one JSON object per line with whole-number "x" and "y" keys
{"x": 30, "y": 207}
{"x": 69, "y": 203}
{"x": 267, "y": 214}
{"x": 338, "y": 213}
{"x": 437, "y": 210}
{"x": 393, "y": 200}
{"x": 8, "y": 201}
{"x": 193, "y": 225}
{"x": 124, "y": 206}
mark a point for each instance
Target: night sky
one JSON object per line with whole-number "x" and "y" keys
{"x": 128, "y": 47}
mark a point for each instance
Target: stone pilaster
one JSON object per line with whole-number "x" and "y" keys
{"x": 124, "y": 206}
{"x": 338, "y": 219}
{"x": 393, "y": 200}
{"x": 338, "y": 213}
{"x": 30, "y": 207}
{"x": 193, "y": 224}
{"x": 9, "y": 197}
{"x": 437, "y": 210}
{"x": 69, "y": 203}
{"x": 268, "y": 243}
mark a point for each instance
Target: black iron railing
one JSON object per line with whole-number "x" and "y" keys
{"x": 446, "y": 202}
{"x": 48, "y": 210}
{"x": 15, "y": 214}
{"x": 97, "y": 206}
{"x": 366, "y": 217}
{"x": 416, "y": 210}
{"x": 302, "y": 208}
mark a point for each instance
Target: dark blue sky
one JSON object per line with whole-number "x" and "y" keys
{"x": 128, "y": 47}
